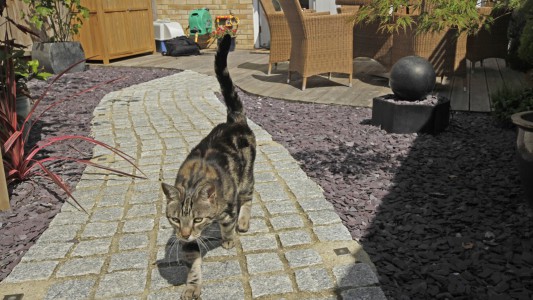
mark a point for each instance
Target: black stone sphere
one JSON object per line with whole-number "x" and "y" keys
{"x": 412, "y": 78}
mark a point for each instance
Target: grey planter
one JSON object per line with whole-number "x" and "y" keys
{"x": 409, "y": 118}
{"x": 524, "y": 151}
{"x": 57, "y": 57}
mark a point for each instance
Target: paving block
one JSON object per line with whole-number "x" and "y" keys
{"x": 313, "y": 204}
{"x": 107, "y": 214}
{"x": 61, "y": 233}
{"x": 294, "y": 238}
{"x": 128, "y": 260}
{"x": 271, "y": 191}
{"x": 281, "y": 207}
{"x": 220, "y": 270}
{"x": 81, "y": 266}
{"x": 265, "y": 177}
{"x": 324, "y": 217}
{"x": 313, "y": 279}
{"x": 263, "y": 263}
{"x": 31, "y": 271}
{"x": 165, "y": 276}
{"x": 138, "y": 225}
{"x": 47, "y": 251}
{"x": 300, "y": 258}
{"x": 141, "y": 210}
{"x": 257, "y": 225}
{"x": 92, "y": 247}
{"x": 287, "y": 222}
{"x": 270, "y": 285}
{"x": 335, "y": 232}
{"x": 258, "y": 242}
{"x": 112, "y": 200}
{"x": 69, "y": 217}
{"x": 229, "y": 289}
{"x": 99, "y": 230}
{"x": 220, "y": 252}
{"x": 133, "y": 241}
{"x": 121, "y": 283}
{"x": 355, "y": 275}
{"x": 70, "y": 289}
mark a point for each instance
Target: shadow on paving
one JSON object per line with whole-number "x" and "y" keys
{"x": 452, "y": 222}
{"x": 172, "y": 266}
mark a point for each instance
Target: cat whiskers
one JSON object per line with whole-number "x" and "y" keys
{"x": 173, "y": 242}
{"x": 202, "y": 244}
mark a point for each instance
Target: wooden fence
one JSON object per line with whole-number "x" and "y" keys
{"x": 4, "y": 197}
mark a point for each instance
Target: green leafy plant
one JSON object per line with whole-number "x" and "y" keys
{"x": 24, "y": 68}
{"x": 59, "y": 19}
{"x": 525, "y": 49}
{"x": 428, "y": 15}
{"x": 507, "y": 101}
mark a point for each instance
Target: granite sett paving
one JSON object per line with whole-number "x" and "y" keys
{"x": 296, "y": 248}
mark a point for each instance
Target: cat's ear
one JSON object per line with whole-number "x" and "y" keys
{"x": 172, "y": 192}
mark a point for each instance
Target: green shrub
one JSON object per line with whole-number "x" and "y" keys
{"x": 507, "y": 101}
{"x": 525, "y": 50}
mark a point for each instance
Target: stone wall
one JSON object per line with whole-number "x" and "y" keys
{"x": 179, "y": 11}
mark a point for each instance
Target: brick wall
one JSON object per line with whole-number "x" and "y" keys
{"x": 178, "y": 10}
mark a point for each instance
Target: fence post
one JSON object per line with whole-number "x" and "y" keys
{"x": 4, "y": 197}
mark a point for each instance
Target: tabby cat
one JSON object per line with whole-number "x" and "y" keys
{"x": 215, "y": 182}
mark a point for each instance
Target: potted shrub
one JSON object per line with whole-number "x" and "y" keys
{"x": 14, "y": 62}
{"x": 429, "y": 15}
{"x": 434, "y": 29}
{"x": 58, "y": 21}
{"x": 226, "y": 25}
{"x": 525, "y": 49}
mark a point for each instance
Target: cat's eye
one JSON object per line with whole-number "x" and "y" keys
{"x": 175, "y": 220}
{"x": 198, "y": 220}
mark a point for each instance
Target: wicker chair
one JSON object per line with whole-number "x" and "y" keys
{"x": 320, "y": 43}
{"x": 489, "y": 43}
{"x": 280, "y": 36}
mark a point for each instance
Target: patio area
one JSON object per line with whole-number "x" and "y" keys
{"x": 249, "y": 71}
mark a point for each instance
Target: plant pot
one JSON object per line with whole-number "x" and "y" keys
{"x": 524, "y": 151}
{"x": 57, "y": 57}
{"x": 23, "y": 106}
{"x": 231, "y": 47}
{"x": 404, "y": 117}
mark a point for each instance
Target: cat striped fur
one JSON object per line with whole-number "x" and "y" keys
{"x": 215, "y": 182}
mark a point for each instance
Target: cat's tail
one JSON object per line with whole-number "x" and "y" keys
{"x": 231, "y": 98}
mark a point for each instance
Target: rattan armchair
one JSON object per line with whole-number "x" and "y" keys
{"x": 492, "y": 42}
{"x": 280, "y": 36}
{"x": 320, "y": 43}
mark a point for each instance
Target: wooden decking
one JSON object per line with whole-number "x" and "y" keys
{"x": 249, "y": 72}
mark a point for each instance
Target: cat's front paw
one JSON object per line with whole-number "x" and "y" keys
{"x": 191, "y": 292}
{"x": 228, "y": 244}
{"x": 243, "y": 224}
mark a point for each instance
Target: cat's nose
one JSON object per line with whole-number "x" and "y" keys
{"x": 185, "y": 234}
